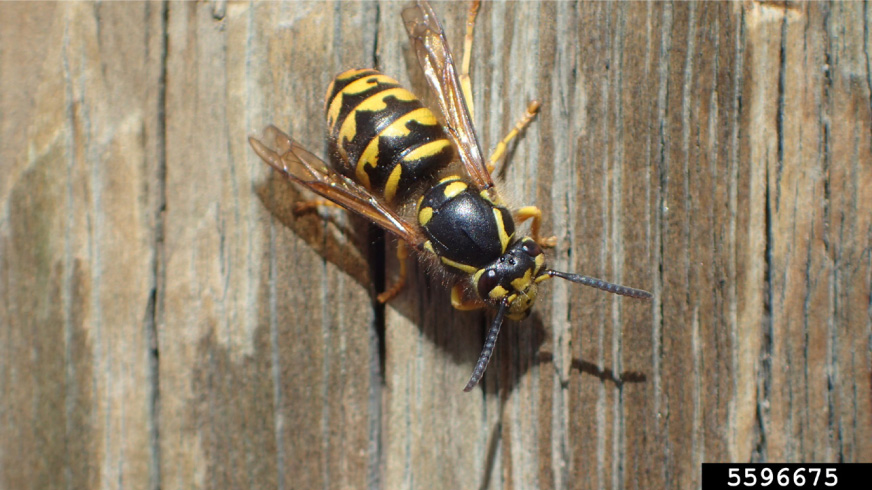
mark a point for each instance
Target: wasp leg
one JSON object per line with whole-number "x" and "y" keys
{"x": 312, "y": 204}
{"x": 460, "y": 302}
{"x": 500, "y": 150}
{"x": 402, "y": 256}
{"x": 465, "y": 83}
{"x": 534, "y": 212}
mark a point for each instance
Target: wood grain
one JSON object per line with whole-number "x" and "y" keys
{"x": 168, "y": 322}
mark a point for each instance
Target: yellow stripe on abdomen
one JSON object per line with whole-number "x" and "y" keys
{"x": 374, "y": 103}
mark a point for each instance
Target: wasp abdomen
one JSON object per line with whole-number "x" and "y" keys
{"x": 466, "y": 230}
{"x": 383, "y": 135}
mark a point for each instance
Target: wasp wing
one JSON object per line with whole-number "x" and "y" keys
{"x": 300, "y": 166}
{"x": 428, "y": 39}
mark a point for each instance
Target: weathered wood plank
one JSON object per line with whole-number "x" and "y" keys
{"x": 268, "y": 316}
{"x": 80, "y": 131}
{"x": 167, "y": 321}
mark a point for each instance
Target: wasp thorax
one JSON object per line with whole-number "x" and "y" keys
{"x": 512, "y": 277}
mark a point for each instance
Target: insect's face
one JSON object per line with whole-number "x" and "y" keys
{"x": 514, "y": 276}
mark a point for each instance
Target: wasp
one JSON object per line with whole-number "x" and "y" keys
{"x": 389, "y": 152}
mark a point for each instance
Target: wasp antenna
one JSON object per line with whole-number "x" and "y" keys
{"x": 488, "y": 348}
{"x": 600, "y": 284}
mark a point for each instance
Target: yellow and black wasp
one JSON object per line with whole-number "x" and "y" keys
{"x": 388, "y": 150}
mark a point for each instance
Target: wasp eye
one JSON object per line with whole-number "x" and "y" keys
{"x": 531, "y": 248}
{"x": 487, "y": 282}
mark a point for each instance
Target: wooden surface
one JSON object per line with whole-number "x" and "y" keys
{"x": 167, "y": 322}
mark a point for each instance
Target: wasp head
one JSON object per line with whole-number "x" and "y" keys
{"x": 511, "y": 283}
{"x": 513, "y": 278}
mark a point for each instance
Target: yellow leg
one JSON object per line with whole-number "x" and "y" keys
{"x": 528, "y": 212}
{"x": 465, "y": 83}
{"x": 500, "y": 150}
{"x": 460, "y": 302}
{"x": 402, "y": 256}
{"x": 312, "y": 204}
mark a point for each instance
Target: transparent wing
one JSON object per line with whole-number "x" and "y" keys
{"x": 428, "y": 39}
{"x": 298, "y": 165}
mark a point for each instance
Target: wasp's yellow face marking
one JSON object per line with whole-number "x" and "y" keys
{"x": 497, "y": 292}
{"x": 428, "y": 246}
{"x": 521, "y": 304}
{"x": 522, "y": 283}
{"x": 525, "y": 295}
